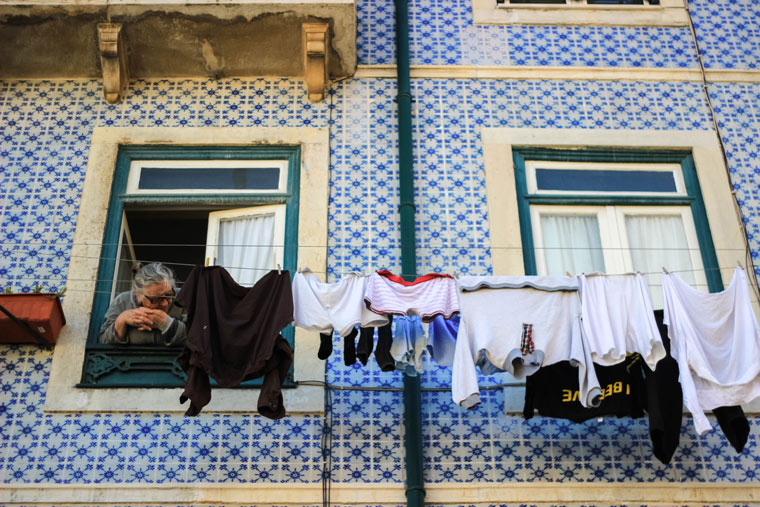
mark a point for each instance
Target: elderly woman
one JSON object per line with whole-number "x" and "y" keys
{"x": 146, "y": 314}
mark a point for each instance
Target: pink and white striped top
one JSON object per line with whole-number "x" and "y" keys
{"x": 428, "y": 296}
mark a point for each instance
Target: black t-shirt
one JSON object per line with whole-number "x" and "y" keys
{"x": 553, "y": 391}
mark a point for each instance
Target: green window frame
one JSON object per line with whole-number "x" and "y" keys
{"x": 108, "y": 365}
{"x": 693, "y": 197}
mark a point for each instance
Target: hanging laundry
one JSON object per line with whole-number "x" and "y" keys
{"x": 664, "y": 399}
{"x": 665, "y": 406}
{"x": 409, "y": 344}
{"x": 383, "y": 354}
{"x": 442, "y": 339}
{"x": 427, "y": 296}
{"x": 553, "y": 391}
{"x": 716, "y": 341}
{"x": 492, "y": 333}
{"x": 322, "y": 307}
{"x": 629, "y": 389}
{"x": 234, "y": 336}
{"x": 363, "y": 349}
{"x": 618, "y": 319}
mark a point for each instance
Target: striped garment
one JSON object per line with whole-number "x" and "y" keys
{"x": 428, "y": 296}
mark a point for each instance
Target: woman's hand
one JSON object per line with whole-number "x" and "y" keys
{"x": 142, "y": 318}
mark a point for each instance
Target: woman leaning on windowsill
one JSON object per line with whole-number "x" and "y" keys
{"x": 146, "y": 315}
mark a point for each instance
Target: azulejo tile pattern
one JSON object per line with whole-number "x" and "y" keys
{"x": 44, "y": 141}
{"x": 442, "y": 33}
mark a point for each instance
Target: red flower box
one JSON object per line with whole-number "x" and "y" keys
{"x": 41, "y": 312}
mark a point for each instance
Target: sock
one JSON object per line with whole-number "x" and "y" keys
{"x": 349, "y": 348}
{"x": 325, "y": 345}
{"x": 366, "y": 342}
{"x": 383, "y": 350}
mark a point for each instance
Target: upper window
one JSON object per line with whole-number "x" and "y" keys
{"x": 639, "y": 214}
{"x": 186, "y": 207}
{"x": 582, "y": 2}
{"x": 581, "y": 12}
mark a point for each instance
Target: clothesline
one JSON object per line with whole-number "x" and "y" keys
{"x": 659, "y": 272}
{"x": 296, "y": 245}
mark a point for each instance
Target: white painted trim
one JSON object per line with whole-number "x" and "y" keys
{"x": 669, "y": 13}
{"x": 62, "y": 393}
{"x": 502, "y": 196}
{"x": 559, "y": 73}
{"x": 381, "y": 494}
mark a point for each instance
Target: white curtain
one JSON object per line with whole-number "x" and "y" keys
{"x": 658, "y": 241}
{"x": 245, "y": 247}
{"x": 572, "y": 244}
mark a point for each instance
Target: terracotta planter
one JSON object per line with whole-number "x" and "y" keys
{"x": 41, "y": 312}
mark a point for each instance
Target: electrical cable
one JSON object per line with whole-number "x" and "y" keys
{"x": 737, "y": 207}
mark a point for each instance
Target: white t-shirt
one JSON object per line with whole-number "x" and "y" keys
{"x": 322, "y": 307}
{"x": 618, "y": 319}
{"x": 716, "y": 341}
{"x": 491, "y": 330}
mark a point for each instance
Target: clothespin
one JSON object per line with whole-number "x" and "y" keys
{"x": 665, "y": 270}
{"x": 279, "y": 269}
{"x": 739, "y": 264}
{"x": 207, "y": 261}
{"x": 567, "y": 273}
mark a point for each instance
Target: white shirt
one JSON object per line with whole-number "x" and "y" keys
{"x": 490, "y": 332}
{"x": 716, "y": 341}
{"x": 618, "y": 319}
{"x": 322, "y": 307}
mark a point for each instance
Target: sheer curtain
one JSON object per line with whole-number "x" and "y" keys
{"x": 572, "y": 244}
{"x": 658, "y": 241}
{"x": 245, "y": 247}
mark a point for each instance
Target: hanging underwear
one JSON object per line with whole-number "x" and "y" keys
{"x": 427, "y": 296}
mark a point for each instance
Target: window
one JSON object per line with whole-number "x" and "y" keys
{"x": 131, "y": 223}
{"x": 185, "y": 207}
{"x": 582, "y": 2}
{"x": 614, "y": 211}
{"x": 581, "y": 12}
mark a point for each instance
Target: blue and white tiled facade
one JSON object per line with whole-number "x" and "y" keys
{"x": 45, "y": 130}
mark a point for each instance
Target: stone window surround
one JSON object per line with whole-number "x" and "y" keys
{"x": 501, "y": 197}
{"x": 62, "y": 393}
{"x": 668, "y": 13}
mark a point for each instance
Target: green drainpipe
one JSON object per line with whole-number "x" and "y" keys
{"x": 415, "y": 485}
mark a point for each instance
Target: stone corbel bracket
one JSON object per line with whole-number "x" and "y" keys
{"x": 315, "y": 52}
{"x": 113, "y": 60}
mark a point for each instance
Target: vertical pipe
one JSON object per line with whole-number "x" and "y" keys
{"x": 415, "y": 486}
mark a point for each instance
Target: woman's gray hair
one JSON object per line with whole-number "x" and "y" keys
{"x": 152, "y": 274}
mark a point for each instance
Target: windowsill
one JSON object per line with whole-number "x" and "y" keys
{"x": 669, "y": 13}
{"x": 63, "y": 395}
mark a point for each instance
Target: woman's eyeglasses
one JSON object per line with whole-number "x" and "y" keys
{"x": 154, "y": 300}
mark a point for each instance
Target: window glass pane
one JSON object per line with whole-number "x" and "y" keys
{"x": 163, "y": 178}
{"x": 616, "y": 2}
{"x": 572, "y": 244}
{"x": 605, "y": 180}
{"x": 246, "y": 247}
{"x": 658, "y": 241}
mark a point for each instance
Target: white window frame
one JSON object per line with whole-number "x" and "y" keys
{"x": 532, "y": 165}
{"x": 135, "y": 170}
{"x": 668, "y": 13}
{"x": 216, "y": 217}
{"x": 613, "y": 236}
